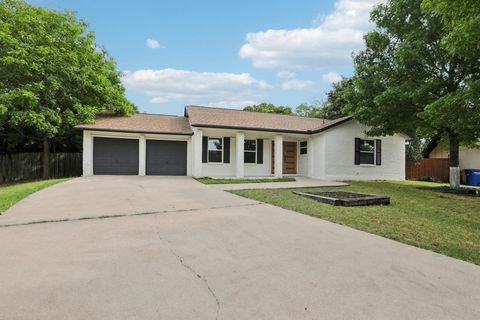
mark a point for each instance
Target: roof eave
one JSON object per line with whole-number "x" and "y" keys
{"x": 330, "y": 126}
{"x": 135, "y": 131}
{"x": 248, "y": 128}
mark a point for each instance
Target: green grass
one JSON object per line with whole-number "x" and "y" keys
{"x": 12, "y": 193}
{"x": 230, "y": 181}
{"x": 444, "y": 223}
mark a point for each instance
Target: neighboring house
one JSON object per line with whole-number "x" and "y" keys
{"x": 218, "y": 142}
{"x": 469, "y": 158}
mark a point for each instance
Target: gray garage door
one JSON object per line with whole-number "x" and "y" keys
{"x": 166, "y": 158}
{"x": 115, "y": 156}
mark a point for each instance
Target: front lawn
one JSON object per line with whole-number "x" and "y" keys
{"x": 230, "y": 181}
{"x": 12, "y": 193}
{"x": 444, "y": 223}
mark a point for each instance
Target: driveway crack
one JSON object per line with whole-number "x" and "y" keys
{"x": 121, "y": 215}
{"x": 194, "y": 272}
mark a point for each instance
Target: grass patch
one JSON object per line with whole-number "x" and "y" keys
{"x": 12, "y": 193}
{"x": 231, "y": 181}
{"x": 444, "y": 223}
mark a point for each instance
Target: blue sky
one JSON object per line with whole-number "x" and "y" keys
{"x": 226, "y": 53}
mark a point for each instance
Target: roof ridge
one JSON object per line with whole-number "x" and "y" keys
{"x": 161, "y": 114}
{"x": 277, "y": 114}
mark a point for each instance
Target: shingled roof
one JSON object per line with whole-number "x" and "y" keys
{"x": 230, "y": 118}
{"x": 140, "y": 122}
{"x": 209, "y": 117}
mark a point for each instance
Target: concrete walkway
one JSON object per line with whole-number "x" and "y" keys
{"x": 300, "y": 182}
{"x": 212, "y": 255}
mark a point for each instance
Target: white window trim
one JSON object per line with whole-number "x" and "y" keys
{"x": 255, "y": 151}
{"x": 374, "y": 154}
{"x": 208, "y": 150}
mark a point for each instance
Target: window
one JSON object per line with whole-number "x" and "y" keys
{"x": 250, "y": 151}
{"x": 303, "y": 147}
{"x": 215, "y": 150}
{"x": 367, "y": 152}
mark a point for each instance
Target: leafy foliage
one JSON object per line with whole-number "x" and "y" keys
{"x": 333, "y": 107}
{"x": 52, "y": 75}
{"x": 462, "y": 18}
{"x": 408, "y": 77}
{"x": 311, "y": 110}
{"x": 268, "y": 108}
{"x": 414, "y": 149}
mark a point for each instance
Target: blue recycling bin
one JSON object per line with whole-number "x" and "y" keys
{"x": 472, "y": 177}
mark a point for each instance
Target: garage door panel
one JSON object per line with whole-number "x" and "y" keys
{"x": 115, "y": 156}
{"x": 166, "y": 157}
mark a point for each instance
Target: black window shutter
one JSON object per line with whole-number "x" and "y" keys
{"x": 226, "y": 150}
{"x": 259, "y": 151}
{"x": 378, "y": 149}
{"x": 205, "y": 149}
{"x": 357, "y": 150}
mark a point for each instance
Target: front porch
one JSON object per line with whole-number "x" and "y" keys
{"x": 242, "y": 154}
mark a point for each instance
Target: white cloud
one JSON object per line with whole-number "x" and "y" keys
{"x": 285, "y": 74}
{"x": 152, "y": 43}
{"x": 296, "y": 84}
{"x": 337, "y": 35}
{"x": 331, "y": 77}
{"x": 210, "y": 88}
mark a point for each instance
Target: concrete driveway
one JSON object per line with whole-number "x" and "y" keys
{"x": 176, "y": 249}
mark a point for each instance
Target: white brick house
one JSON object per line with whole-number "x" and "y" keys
{"x": 218, "y": 142}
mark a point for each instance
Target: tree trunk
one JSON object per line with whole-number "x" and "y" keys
{"x": 454, "y": 160}
{"x": 46, "y": 158}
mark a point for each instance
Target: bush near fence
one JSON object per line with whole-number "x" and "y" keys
{"x": 435, "y": 169}
{"x": 28, "y": 166}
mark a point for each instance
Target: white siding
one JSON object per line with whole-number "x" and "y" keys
{"x": 302, "y": 160}
{"x": 221, "y": 169}
{"x": 265, "y": 169}
{"x": 469, "y": 158}
{"x": 229, "y": 169}
{"x": 335, "y": 155}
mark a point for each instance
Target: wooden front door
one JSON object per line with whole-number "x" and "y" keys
{"x": 289, "y": 157}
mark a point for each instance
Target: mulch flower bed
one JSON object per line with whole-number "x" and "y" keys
{"x": 346, "y": 198}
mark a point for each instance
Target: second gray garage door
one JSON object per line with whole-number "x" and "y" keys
{"x": 166, "y": 158}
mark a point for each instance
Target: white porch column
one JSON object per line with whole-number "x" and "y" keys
{"x": 197, "y": 153}
{"x": 311, "y": 158}
{"x": 240, "y": 172}
{"x": 142, "y": 155}
{"x": 87, "y": 161}
{"x": 278, "y": 156}
{"x": 189, "y": 157}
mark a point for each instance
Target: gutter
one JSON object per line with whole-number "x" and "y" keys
{"x": 135, "y": 131}
{"x": 274, "y": 130}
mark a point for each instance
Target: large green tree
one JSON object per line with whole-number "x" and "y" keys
{"x": 268, "y": 108}
{"x": 53, "y": 75}
{"x": 407, "y": 77}
{"x": 462, "y": 18}
{"x": 333, "y": 107}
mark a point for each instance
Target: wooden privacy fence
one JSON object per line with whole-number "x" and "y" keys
{"x": 28, "y": 166}
{"x": 438, "y": 169}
